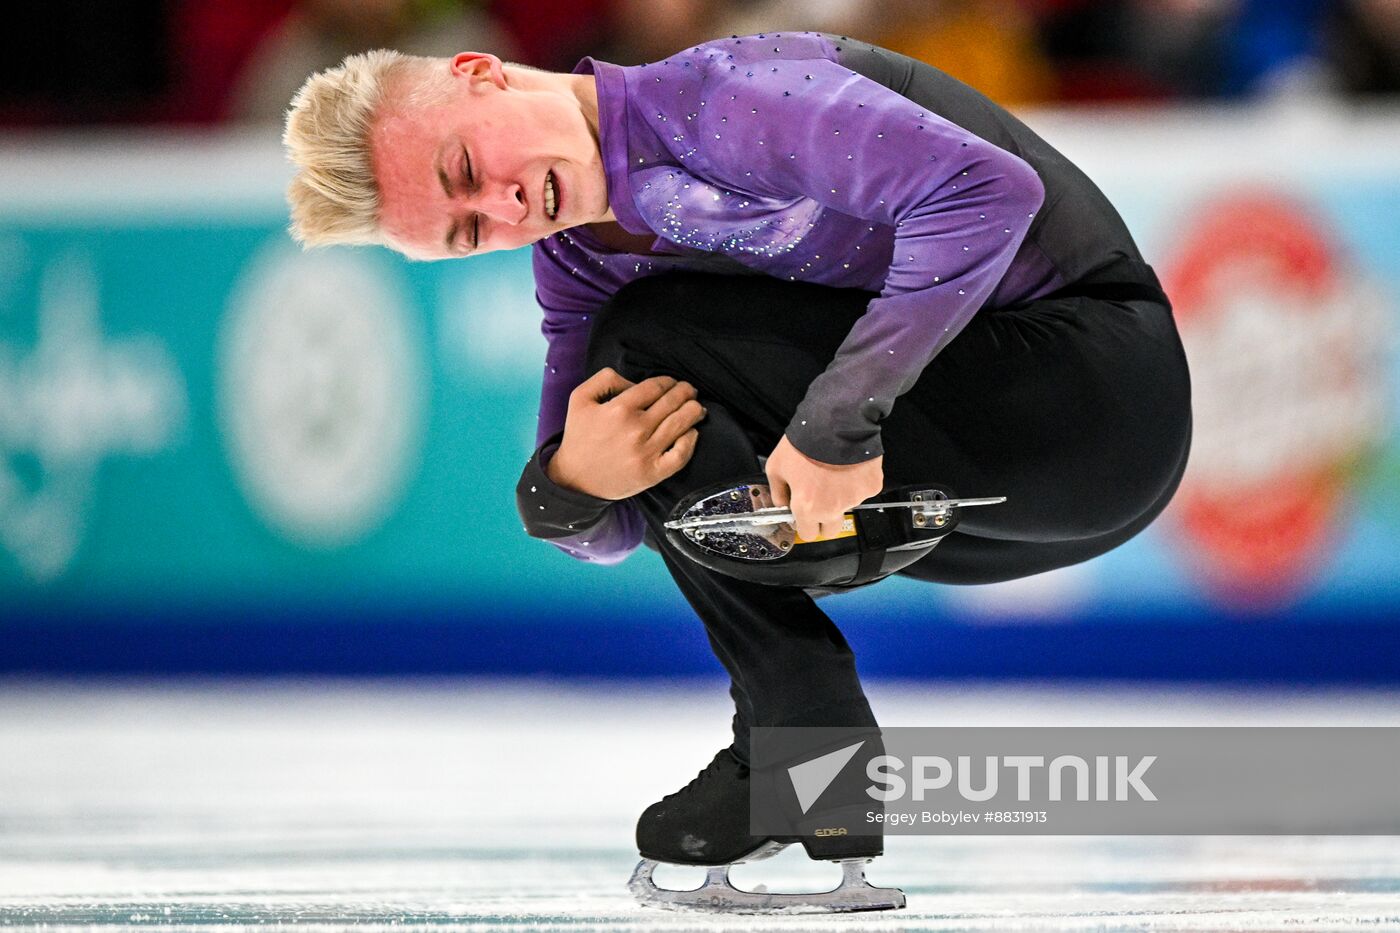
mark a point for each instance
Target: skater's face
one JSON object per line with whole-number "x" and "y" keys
{"x": 463, "y": 172}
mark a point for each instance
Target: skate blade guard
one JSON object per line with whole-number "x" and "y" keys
{"x": 717, "y": 895}
{"x": 735, "y": 529}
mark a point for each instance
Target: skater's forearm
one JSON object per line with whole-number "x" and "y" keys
{"x": 583, "y": 526}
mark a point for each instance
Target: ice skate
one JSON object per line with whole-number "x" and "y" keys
{"x": 706, "y": 823}
{"x": 735, "y": 528}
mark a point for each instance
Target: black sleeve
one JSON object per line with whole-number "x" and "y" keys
{"x": 549, "y": 510}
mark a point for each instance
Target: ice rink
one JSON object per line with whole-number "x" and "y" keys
{"x": 471, "y": 805}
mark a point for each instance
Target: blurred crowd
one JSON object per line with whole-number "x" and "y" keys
{"x": 74, "y": 62}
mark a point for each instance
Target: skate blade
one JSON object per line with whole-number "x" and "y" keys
{"x": 717, "y": 895}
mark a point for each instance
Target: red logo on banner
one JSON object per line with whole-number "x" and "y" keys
{"x": 1287, "y": 347}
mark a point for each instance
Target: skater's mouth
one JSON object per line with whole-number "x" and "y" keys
{"x": 551, "y": 199}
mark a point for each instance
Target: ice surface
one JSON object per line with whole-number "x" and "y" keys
{"x": 488, "y": 805}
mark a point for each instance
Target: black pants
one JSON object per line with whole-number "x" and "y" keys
{"x": 1076, "y": 407}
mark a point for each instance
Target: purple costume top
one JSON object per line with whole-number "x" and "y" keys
{"x": 767, "y": 151}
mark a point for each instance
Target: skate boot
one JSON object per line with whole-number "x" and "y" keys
{"x": 707, "y": 823}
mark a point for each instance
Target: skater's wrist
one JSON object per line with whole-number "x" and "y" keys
{"x": 558, "y": 469}
{"x": 549, "y": 509}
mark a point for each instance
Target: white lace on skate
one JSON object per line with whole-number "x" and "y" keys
{"x": 718, "y": 895}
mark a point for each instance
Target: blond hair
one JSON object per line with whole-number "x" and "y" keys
{"x": 333, "y": 196}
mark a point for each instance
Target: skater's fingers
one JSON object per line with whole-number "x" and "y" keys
{"x": 808, "y": 529}
{"x": 642, "y": 395}
{"x": 813, "y": 517}
{"x": 678, "y": 455}
{"x": 686, "y": 416}
{"x": 600, "y": 386}
{"x": 778, "y": 489}
{"x": 661, "y": 409}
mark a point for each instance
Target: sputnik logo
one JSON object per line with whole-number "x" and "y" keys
{"x": 811, "y": 778}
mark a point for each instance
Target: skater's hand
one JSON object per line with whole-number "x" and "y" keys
{"x": 621, "y": 437}
{"x": 820, "y": 494}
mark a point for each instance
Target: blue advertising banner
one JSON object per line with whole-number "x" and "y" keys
{"x": 218, "y": 452}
